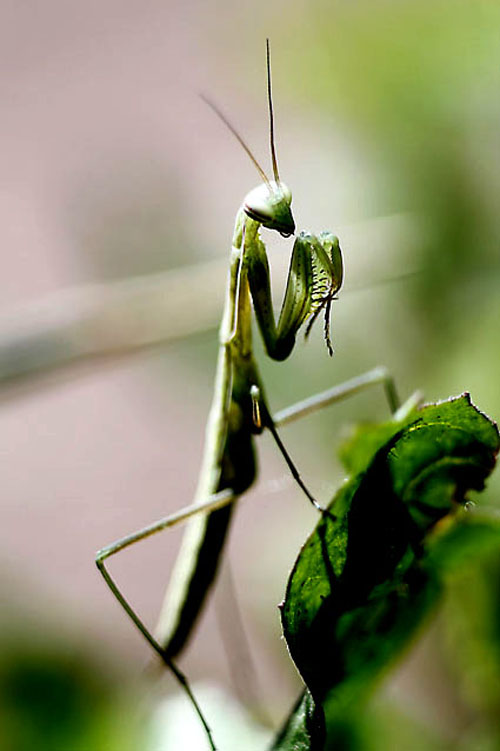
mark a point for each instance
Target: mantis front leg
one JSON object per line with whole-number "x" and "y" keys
{"x": 314, "y": 278}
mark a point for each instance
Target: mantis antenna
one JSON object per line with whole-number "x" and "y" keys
{"x": 271, "y": 114}
{"x": 240, "y": 140}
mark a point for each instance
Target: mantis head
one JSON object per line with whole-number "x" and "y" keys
{"x": 269, "y": 204}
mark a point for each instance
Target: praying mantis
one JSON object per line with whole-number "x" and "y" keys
{"x": 240, "y": 409}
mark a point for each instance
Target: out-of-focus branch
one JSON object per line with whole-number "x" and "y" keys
{"x": 110, "y": 318}
{"x": 122, "y": 317}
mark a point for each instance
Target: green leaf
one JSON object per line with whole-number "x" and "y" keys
{"x": 304, "y": 727}
{"x": 357, "y": 452}
{"x": 469, "y": 557}
{"x": 365, "y": 579}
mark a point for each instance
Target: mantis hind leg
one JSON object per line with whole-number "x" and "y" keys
{"x": 377, "y": 376}
{"x": 212, "y": 503}
{"x": 262, "y": 417}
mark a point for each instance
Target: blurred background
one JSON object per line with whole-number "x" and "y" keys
{"x": 119, "y": 189}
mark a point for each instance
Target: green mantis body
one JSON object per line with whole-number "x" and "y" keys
{"x": 239, "y": 409}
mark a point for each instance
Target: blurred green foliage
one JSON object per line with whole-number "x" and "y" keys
{"x": 55, "y": 696}
{"x": 418, "y": 82}
{"x": 364, "y": 581}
